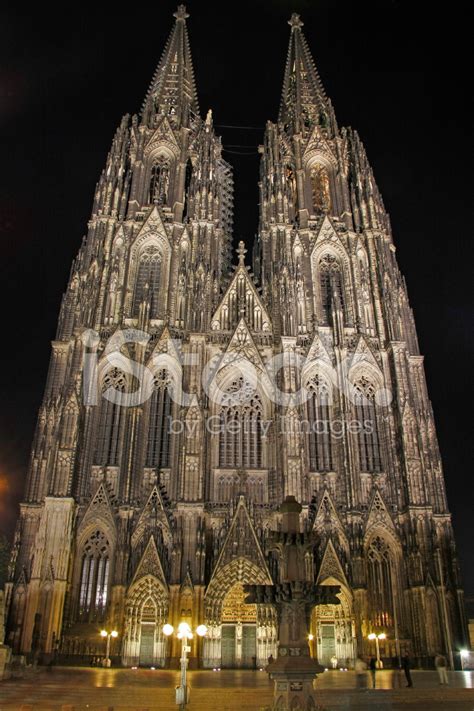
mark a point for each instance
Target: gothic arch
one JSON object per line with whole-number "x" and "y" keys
{"x": 383, "y": 558}
{"x": 241, "y": 414}
{"x": 331, "y": 272}
{"x": 146, "y": 611}
{"x": 333, "y": 627}
{"x": 239, "y": 570}
{"x": 93, "y": 570}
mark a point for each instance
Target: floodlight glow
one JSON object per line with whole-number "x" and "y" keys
{"x": 103, "y": 633}
{"x": 201, "y": 630}
{"x": 168, "y": 629}
{"x": 114, "y": 633}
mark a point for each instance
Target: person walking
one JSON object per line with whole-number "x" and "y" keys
{"x": 441, "y": 668}
{"x": 334, "y": 661}
{"x": 406, "y": 666}
{"x": 373, "y": 669}
{"x": 360, "y": 668}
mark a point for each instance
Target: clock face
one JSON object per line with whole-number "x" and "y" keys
{"x": 283, "y": 651}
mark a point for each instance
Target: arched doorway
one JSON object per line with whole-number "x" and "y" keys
{"x": 333, "y": 630}
{"x": 239, "y": 635}
{"x": 238, "y": 630}
{"x": 146, "y": 612}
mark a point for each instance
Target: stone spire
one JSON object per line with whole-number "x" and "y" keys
{"x": 173, "y": 88}
{"x": 303, "y": 97}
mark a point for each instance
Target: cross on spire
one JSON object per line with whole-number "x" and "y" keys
{"x": 181, "y": 13}
{"x": 303, "y": 99}
{"x": 172, "y": 88}
{"x": 295, "y": 21}
{"x": 241, "y": 252}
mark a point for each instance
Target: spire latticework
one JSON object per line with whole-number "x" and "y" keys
{"x": 303, "y": 97}
{"x": 173, "y": 85}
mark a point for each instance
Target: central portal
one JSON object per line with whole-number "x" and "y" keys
{"x": 239, "y": 631}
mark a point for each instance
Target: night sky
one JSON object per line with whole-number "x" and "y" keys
{"x": 395, "y": 71}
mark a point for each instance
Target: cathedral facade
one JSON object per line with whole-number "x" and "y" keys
{"x": 187, "y": 397}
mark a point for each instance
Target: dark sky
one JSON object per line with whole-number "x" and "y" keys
{"x": 395, "y": 71}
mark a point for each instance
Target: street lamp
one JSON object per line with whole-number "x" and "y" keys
{"x": 108, "y": 635}
{"x": 377, "y": 638}
{"x": 184, "y": 633}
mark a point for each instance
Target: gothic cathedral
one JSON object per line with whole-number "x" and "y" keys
{"x": 186, "y": 398}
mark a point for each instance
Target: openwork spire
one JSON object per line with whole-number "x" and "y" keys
{"x": 173, "y": 87}
{"x": 303, "y": 97}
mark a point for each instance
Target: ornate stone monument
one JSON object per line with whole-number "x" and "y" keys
{"x": 294, "y": 597}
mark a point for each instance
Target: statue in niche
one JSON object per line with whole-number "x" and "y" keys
{"x": 320, "y": 189}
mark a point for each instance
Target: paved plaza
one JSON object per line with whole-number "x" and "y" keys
{"x": 139, "y": 690}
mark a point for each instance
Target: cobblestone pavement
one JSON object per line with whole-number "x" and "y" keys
{"x": 77, "y": 689}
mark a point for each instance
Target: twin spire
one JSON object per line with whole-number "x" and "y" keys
{"x": 303, "y": 97}
{"x": 173, "y": 87}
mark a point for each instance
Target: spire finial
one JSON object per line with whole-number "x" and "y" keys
{"x": 181, "y": 13}
{"x": 241, "y": 252}
{"x": 295, "y": 21}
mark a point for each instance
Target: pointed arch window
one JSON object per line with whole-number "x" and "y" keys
{"x": 319, "y": 425}
{"x": 240, "y": 437}
{"x": 368, "y": 427}
{"x": 95, "y": 571}
{"x": 320, "y": 189}
{"x": 148, "y": 280}
{"x": 160, "y": 181}
{"x": 111, "y": 421}
{"x": 331, "y": 285}
{"x": 380, "y": 584}
{"x": 159, "y": 432}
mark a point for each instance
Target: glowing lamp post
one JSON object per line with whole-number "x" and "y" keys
{"x": 185, "y": 634}
{"x": 377, "y": 638}
{"x": 107, "y": 635}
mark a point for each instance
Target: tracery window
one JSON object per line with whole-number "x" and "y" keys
{"x": 331, "y": 285}
{"x": 368, "y": 427}
{"x": 319, "y": 425}
{"x": 240, "y": 436}
{"x": 159, "y": 432}
{"x": 147, "y": 284}
{"x": 160, "y": 180}
{"x": 95, "y": 569}
{"x": 111, "y": 420}
{"x": 320, "y": 189}
{"x": 380, "y": 584}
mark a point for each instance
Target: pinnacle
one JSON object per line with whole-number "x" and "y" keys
{"x": 295, "y": 21}
{"x": 181, "y": 13}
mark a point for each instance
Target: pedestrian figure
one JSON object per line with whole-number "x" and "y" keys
{"x": 334, "y": 661}
{"x": 361, "y": 671}
{"x": 441, "y": 668}
{"x": 406, "y": 666}
{"x": 270, "y": 659}
{"x": 373, "y": 669}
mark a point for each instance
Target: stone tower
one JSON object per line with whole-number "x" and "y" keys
{"x": 186, "y": 399}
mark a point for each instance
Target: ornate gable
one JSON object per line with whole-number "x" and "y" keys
{"x": 150, "y": 564}
{"x": 241, "y": 300}
{"x": 241, "y": 542}
{"x": 152, "y": 227}
{"x": 331, "y": 566}
{"x": 153, "y": 514}
{"x": 327, "y": 521}
{"x": 363, "y": 354}
{"x": 162, "y": 136}
{"x": 378, "y": 515}
{"x": 99, "y": 510}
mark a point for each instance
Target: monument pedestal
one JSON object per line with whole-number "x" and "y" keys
{"x": 293, "y": 597}
{"x": 293, "y": 678}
